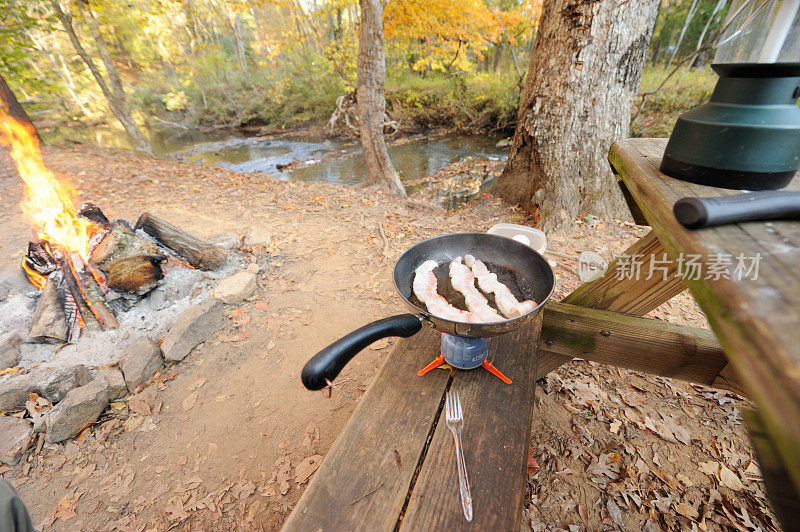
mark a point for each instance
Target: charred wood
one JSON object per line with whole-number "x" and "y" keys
{"x": 49, "y": 323}
{"x": 92, "y": 212}
{"x": 89, "y": 320}
{"x": 196, "y": 251}
{"x": 91, "y": 291}
{"x": 38, "y": 259}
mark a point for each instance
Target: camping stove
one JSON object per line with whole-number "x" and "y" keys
{"x": 464, "y": 353}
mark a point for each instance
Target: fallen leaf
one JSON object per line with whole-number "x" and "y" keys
{"x": 615, "y": 513}
{"x": 306, "y": 468}
{"x": 709, "y": 468}
{"x": 65, "y": 509}
{"x": 687, "y": 511}
{"x": 167, "y": 376}
{"x": 175, "y": 511}
{"x": 137, "y": 405}
{"x": 380, "y": 344}
{"x": 189, "y": 401}
{"x": 615, "y": 425}
{"x": 284, "y": 487}
{"x": 729, "y": 478}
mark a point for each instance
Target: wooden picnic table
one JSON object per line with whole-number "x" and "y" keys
{"x": 393, "y": 466}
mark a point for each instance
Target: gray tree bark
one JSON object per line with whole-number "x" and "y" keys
{"x": 584, "y": 72}
{"x": 115, "y": 96}
{"x": 371, "y": 73}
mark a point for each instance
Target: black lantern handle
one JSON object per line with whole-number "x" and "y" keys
{"x": 695, "y": 213}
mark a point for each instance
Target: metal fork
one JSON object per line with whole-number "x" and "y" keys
{"x": 455, "y": 422}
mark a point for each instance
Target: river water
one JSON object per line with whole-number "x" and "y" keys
{"x": 312, "y": 159}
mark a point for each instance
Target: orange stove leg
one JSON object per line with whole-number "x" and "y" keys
{"x": 496, "y": 372}
{"x": 438, "y": 361}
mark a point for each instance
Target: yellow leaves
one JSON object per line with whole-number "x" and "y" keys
{"x": 450, "y": 31}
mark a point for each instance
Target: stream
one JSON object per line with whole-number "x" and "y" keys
{"x": 311, "y": 158}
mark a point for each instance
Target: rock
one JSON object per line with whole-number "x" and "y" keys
{"x": 195, "y": 325}
{"x": 52, "y": 383}
{"x": 253, "y": 268}
{"x": 140, "y": 361}
{"x": 237, "y": 287}
{"x": 13, "y": 282}
{"x": 158, "y": 299}
{"x": 228, "y": 241}
{"x": 80, "y": 407}
{"x": 179, "y": 283}
{"x": 176, "y": 285}
{"x": 258, "y": 236}
{"x": 117, "y": 387}
{"x": 16, "y": 436}
{"x": 503, "y": 143}
{"x": 9, "y": 351}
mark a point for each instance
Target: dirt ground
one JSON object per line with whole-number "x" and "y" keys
{"x": 218, "y": 446}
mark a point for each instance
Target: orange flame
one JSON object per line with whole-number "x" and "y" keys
{"x": 47, "y": 202}
{"x": 37, "y": 279}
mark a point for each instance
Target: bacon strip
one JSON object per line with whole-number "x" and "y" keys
{"x": 424, "y": 287}
{"x": 464, "y": 281}
{"x": 506, "y": 302}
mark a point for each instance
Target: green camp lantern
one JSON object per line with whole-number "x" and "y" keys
{"x": 748, "y": 135}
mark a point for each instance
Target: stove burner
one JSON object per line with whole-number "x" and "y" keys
{"x": 464, "y": 353}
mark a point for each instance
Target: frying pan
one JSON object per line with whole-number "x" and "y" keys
{"x": 521, "y": 268}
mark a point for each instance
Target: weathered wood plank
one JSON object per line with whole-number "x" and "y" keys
{"x": 634, "y": 294}
{"x": 641, "y": 344}
{"x": 756, "y": 320}
{"x": 496, "y": 438}
{"x": 630, "y": 295}
{"x": 359, "y": 485}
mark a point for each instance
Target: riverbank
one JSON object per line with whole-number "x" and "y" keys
{"x": 217, "y": 436}
{"x": 480, "y": 104}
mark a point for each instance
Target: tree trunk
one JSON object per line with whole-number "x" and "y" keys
{"x": 696, "y": 61}
{"x": 117, "y": 100}
{"x": 371, "y": 72}
{"x": 120, "y": 99}
{"x": 9, "y": 104}
{"x": 657, "y": 47}
{"x": 584, "y": 72}
{"x": 689, "y": 17}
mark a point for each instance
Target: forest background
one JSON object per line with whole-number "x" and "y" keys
{"x": 282, "y": 64}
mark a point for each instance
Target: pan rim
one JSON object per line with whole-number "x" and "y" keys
{"x": 428, "y": 315}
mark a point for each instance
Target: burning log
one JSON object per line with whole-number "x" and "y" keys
{"x": 136, "y": 274}
{"x": 90, "y": 321}
{"x": 92, "y": 212}
{"x": 49, "y": 324}
{"x": 91, "y": 291}
{"x": 38, "y": 264}
{"x": 131, "y": 263}
{"x": 197, "y": 252}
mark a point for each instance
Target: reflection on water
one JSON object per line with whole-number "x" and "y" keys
{"x": 328, "y": 160}
{"x": 412, "y": 160}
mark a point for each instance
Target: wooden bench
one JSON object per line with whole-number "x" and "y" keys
{"x": 393, "y": 466}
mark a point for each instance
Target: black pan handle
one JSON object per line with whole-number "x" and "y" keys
{"x": 695, "y": 213}
{"x": 330, "y": 361}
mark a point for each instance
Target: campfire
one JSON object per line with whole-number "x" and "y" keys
{"x": 90, "y": 268}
